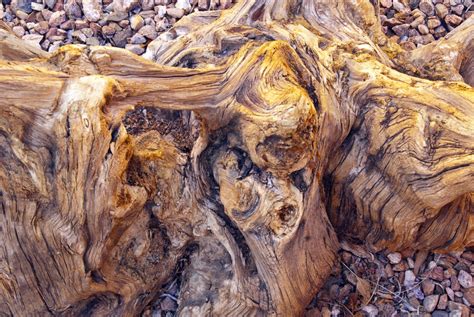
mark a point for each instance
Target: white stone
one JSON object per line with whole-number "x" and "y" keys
{"x": 135, "y": 48}
{"x": 161, "y": 11}
{"x": 33, "y": 39}
{"x": 37, "y": 6}
{"x": 409, "y": 279}
{"x": 19, "y": 30}
{"x": 465, "y": 279}
{"x": 92, "y": 9}
{"x": 183, "y": 4}
{"x": 54, "y": 47}
{"x": 394, "y": 258}
{"x": 397, "y": 5}
{"x": 371, "y": 310}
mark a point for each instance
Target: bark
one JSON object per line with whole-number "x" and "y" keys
{"x": 288, "y": 127}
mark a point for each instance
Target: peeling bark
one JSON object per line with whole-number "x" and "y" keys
{"x": 292, "y": 137}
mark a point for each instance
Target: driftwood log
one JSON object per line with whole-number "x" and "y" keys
{"x": 290, "y": 126}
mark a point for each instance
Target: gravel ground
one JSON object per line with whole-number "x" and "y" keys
{"x": 413, "y": 23}
{"x": 395, "y": 284}
{"x": 132, "y": 24}
{"x": 364, "y": 284}
{"x": 129, "y": 24}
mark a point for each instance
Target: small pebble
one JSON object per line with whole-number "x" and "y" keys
{"x": 465, "y": 279}
{"x": 135, "y": 48}
{"x": 430, "y": 302}
{"x": 394, "y": 258}
{"x": 136, "y": 22}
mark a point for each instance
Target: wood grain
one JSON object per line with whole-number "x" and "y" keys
{"x": 307, "y": 125}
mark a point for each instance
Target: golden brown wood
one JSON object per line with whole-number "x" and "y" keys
{"x": 300, "y": 125}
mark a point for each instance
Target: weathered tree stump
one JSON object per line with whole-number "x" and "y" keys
{"x": 300, "y": 126}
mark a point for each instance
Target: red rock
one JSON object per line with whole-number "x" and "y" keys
{"x": 96, "y": 28}
{"x": 453, "y": 20}
{"x": 453, "y": 306}
{"x": 81, "y": 24}
{"x": 42, "y": 27}
{"x": 402, "y": 266}
{"x": 437, "y": 274}
{"x": 427, "y": 286}
{"x": 442, "y": 302}
{"x": 39, "y": 17}
{"x": 458, "y": 9}
{"x": 68, "y": 25}
{"x": 225, "y": 4}
{"x": 430, "y": 302}
{"x": 469, "y": 296}
{"x": 108, "y": 30}
{"x": 468, "y": 255}
{"x": 58, "y": 6}
{"x": 51, "y": 32}
{"x": 455, "y": 286}
{"x": 388, "y": 270}
{"x": 57, "y": 18}
{"x": 449, "y": 272}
